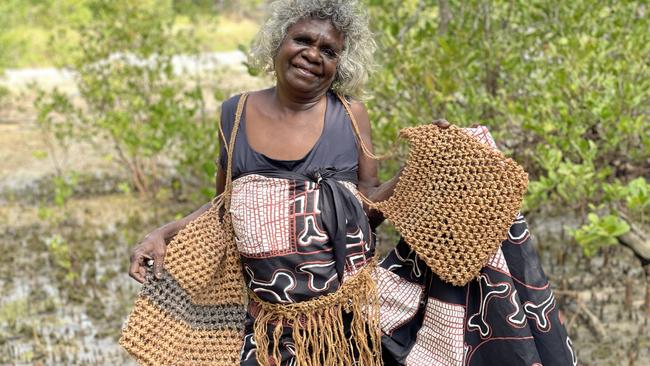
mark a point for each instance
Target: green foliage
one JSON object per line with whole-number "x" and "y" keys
{"x": 133, "y": 98}
{"x": 624, "y": 204}
{"x": 240, "y": 7}
{"x": 637, "y": 197}
{"x": 61, "y": 253}
{"x": 197, "y": 7}
{"x": 563, "y": 86}
{"x": 217, "y": 33}
{"x": 64, "y": 188}
{"x": 29, "y": 34}
{"x": 46, "y": 32}
{"x": 5, "y": 94}
{"x": 600, "y": 232}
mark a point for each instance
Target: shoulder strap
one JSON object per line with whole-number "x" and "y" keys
{"x": 364, "y": 148}
{"x": 224, "y": 197}
{"x": 357, "y": 132}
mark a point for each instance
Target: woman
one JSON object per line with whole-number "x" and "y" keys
{"x": 298, "y": 158}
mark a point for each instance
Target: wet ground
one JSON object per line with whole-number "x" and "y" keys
{"x": 65, "y": 291}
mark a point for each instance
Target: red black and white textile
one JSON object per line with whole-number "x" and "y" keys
{"x": 299, "y": 237}
{"x": 508, "y": 316}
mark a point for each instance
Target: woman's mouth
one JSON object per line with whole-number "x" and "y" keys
{"x": 304, "y": 72}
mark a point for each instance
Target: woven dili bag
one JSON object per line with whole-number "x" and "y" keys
{"x": 194, "y": 314}
{"x": 455, "y": 200}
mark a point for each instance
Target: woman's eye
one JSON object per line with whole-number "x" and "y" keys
{"x": 329, "y": 52}
{"x": 301, "y": 40}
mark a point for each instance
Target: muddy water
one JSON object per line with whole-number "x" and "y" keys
{"x": 65, "y": 292}
{"x": 63, "y": 279}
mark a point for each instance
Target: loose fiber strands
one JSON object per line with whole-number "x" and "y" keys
{"x": 318, "y": 328}
{"x": 454, "y": 201}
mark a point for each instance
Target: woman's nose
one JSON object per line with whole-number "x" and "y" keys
{"x": 311, "y": 54}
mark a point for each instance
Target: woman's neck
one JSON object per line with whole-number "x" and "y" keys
{"x": 295, "y": 102}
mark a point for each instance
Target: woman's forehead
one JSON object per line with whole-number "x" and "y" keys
{"x": 317, "y": 27}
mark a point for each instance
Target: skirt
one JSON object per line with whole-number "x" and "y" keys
{"x": 506, "y": 316}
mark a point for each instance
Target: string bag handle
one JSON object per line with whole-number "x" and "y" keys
{"x": 224, "y": 198}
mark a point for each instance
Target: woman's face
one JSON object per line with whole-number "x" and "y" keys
{"x": 307, "y": 57}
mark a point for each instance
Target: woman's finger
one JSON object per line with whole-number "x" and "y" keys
{"x": 143, "y": 272}
{"x": 441, "y": 123}
{"x": 158, "y": 259}
{"x": 135, "y": 269}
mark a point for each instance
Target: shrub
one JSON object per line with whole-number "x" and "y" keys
{"x": 133, "y": 97}
{"x": 563, "y": 86}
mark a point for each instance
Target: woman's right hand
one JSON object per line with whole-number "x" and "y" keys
{"x": 153, "y": 246}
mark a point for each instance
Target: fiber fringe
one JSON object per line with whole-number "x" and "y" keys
{"x": 318, "y": 328}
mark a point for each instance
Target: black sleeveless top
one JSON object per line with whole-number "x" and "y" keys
{"x": 299, "y": 225}
{"x": 336, "y": 148}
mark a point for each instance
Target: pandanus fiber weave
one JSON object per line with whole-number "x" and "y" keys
{"x": 194, "y": 315}
{"x": 455, "y": 200}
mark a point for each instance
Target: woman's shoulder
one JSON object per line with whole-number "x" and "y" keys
{"x": 229, "y": 106}
{"x": 356, "y": 105}
{"x": 356, "y": 109}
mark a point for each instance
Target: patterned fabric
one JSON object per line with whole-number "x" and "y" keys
{"x": 287, "y": 247}
{"x": 507, "y": 316}
{"x": 284, "y": 246}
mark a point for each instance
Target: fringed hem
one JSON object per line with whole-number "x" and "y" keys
{"x": 318, "y": 328}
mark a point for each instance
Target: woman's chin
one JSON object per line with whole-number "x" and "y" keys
{"x": 305, "y": 86}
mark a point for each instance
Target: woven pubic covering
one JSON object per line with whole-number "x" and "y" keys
{"x": 455, "y": 200}
{"x": 194, "y": 315}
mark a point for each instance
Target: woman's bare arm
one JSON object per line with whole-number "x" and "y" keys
{"x": 153, "y": 245}
{"x": 369, "y": 184}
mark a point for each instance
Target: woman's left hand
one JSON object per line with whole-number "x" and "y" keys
{"x": 441, "y": 123}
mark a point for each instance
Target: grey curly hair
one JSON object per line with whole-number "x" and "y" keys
{"x": 355, "y": 61}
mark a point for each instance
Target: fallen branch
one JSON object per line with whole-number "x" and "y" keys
{"x": 594, "y": 323}
{"x": 638, "y": 239}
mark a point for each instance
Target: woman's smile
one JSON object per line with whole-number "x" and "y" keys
{"x": 304, "y": 71}
{"x": 307, "y": 59}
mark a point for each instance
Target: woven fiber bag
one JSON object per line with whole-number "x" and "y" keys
{"x": 455, "y": 200}
{"x": 194, "y": 315}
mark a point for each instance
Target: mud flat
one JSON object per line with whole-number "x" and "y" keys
{"x": 65, "y": 291}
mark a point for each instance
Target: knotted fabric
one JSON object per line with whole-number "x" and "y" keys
{"x": 340, "y": 208}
